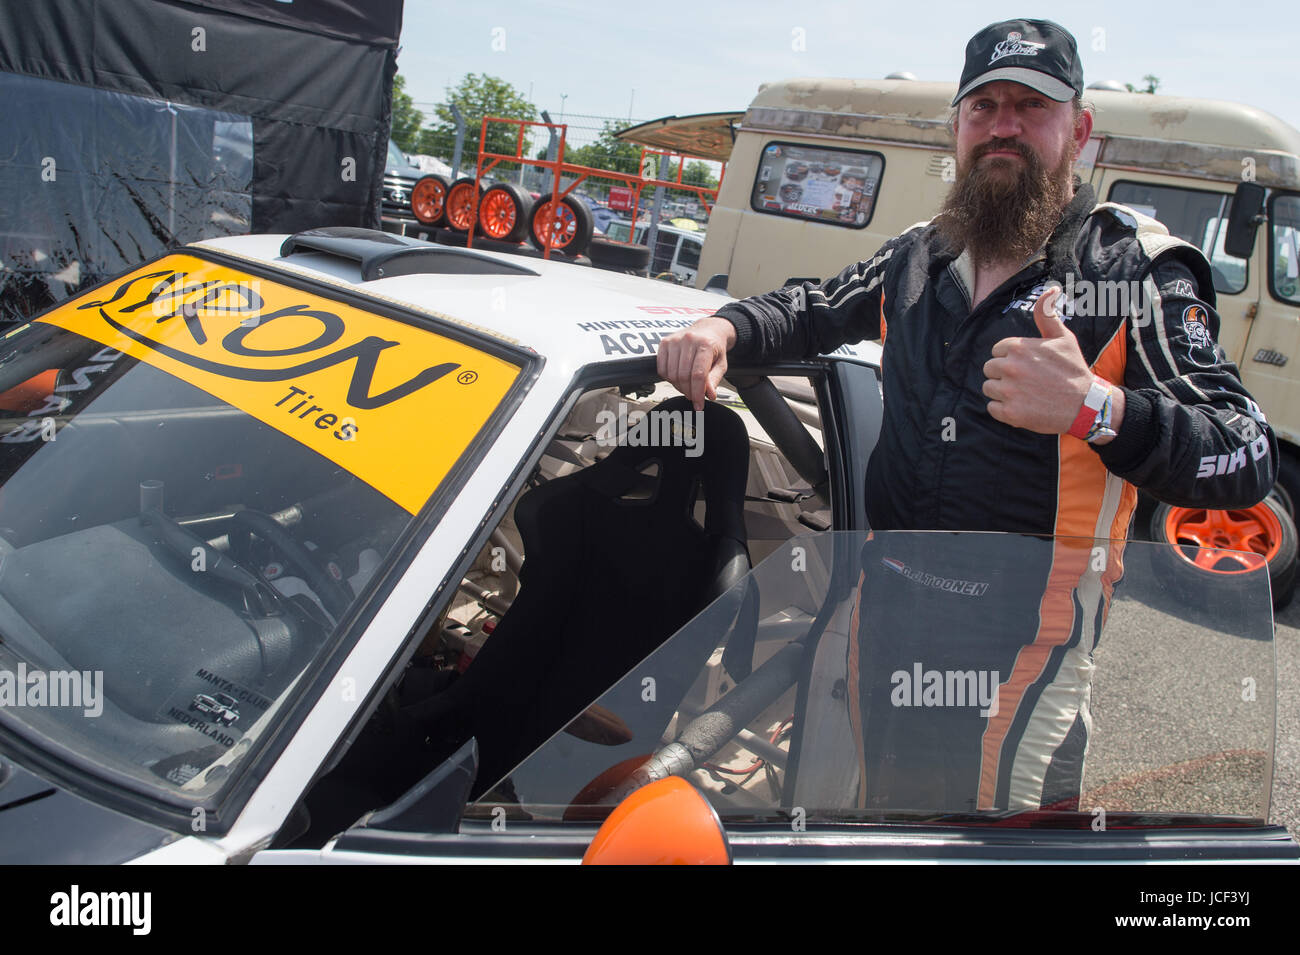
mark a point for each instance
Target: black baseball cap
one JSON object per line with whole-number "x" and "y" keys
{"x": 1039, "y": 54}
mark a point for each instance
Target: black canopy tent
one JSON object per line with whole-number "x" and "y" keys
{"x": 129, "y": 126}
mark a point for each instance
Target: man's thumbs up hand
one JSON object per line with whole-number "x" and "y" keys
{"x": 1047, "y": 313}
{"x": 1038, "y": 383}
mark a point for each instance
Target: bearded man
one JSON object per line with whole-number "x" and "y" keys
{"x": 1005, "y": 411}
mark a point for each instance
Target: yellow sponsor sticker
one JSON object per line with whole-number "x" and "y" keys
{"x": 395, "y": 404}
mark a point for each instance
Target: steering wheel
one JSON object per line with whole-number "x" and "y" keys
{"x": 185, "y": 544}
{"x": 334, "y": 593}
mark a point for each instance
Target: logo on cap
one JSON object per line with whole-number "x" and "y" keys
{"x": 1015, "y": 45}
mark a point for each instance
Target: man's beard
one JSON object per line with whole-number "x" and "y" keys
{"x": 1001, "y": 217}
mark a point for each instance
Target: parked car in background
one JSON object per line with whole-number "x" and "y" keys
{"x": 676, "y": 254}
{"x": 602, "y": 216}
{"x": 399, "y": 179}
{"x": 430, "y": 164}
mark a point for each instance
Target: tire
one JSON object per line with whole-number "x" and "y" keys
{"x": 449, "y": 237}
{"x": 571, "y": 233}
{"x": 1283, "y": 497}
{"x": 429, "y": 200}
{"x": 1288, "y": 477}
{"x": 618, "y": 256}
{"x": 503, "y": 213}
{"x": 492, "y": 245}
{"x": 1265, "y": 529}
{"x": 460, "y": 208}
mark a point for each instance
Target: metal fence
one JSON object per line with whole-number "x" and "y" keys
{"x": 583, "y": 130}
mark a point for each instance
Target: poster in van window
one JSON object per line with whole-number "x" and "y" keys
{"x": 829, "y": 185}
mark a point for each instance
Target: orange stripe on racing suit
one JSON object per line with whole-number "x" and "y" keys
{"x": 1092, "y": 504}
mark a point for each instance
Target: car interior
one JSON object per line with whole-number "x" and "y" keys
{"x": 174, "y": 544}
{"x": 609, "y": 519}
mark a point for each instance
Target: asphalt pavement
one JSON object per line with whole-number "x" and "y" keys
{"x": 1174, "y": 726}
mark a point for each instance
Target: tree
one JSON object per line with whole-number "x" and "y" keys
{"x": 1152, "y": 82}
{"x": 407, "y": 120}
{"x": 697, "y": 173}
{"x": 478, "y": 95}
{"x": 607, "y": 152}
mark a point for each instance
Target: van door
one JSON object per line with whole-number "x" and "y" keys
{"x": 1273, "y": 352}
{"x": 1197, "y": 211}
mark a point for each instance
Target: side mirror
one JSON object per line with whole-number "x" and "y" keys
{"x": 668, "y": 822}
{"x": 717, "y": 283}
{"x": 1244, "y": 217}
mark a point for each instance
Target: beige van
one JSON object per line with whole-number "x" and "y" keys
{"x": 824, "y": 171}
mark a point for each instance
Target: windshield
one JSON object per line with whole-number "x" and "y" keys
{"x": 940, "y": 677}
{"x": 396, "y": 160}
{"x": 202, "y": 474}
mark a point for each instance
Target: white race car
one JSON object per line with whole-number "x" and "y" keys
{"x": 343, "y": 546}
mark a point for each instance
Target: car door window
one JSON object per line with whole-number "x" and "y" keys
{"x": 882, "y": 666}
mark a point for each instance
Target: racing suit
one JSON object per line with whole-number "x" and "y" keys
{"x": 1141, "y": 305}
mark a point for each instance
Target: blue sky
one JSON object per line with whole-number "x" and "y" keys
{"x": 712, "y": 54}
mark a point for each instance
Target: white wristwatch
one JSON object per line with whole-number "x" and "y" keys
{"x": 1093, "y": 420}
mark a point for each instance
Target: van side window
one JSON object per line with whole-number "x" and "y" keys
{"x": 836, "y": 186}
{"x": 689, "y": 254}
{"x": 1195, "y": 215}
{"x": 1284, "y": 249}
{"x": 665, "y": 250}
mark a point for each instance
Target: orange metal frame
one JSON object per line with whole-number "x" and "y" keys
{"x": 559, "y": 167}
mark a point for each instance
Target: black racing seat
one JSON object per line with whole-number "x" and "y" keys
{"x": 615, "y": 564}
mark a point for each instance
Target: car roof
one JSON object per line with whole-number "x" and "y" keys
{"x": 1141, "y": 129}
{"x": 572, "y": 315}
{"x": 675, "y": 230}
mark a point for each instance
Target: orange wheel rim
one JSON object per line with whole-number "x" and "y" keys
{"x": 460, "y": 208}
{"x": 1225, "y": 542}
{"x": 564, "y": 225}
{"x": 427, "y": 200}
{"x": 498, "y": 214}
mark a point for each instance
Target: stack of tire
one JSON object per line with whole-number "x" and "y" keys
{"x": 506, "y": 216}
